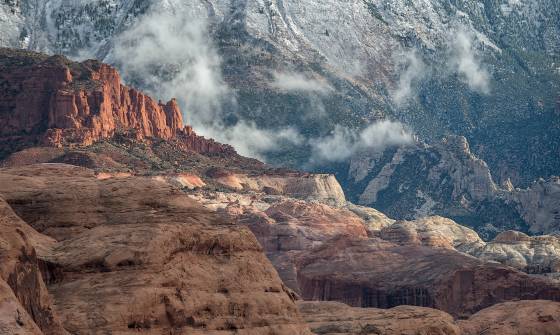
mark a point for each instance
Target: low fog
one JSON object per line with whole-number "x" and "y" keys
{"x": 343, "y": 142}
{"x": 461, "y": 59}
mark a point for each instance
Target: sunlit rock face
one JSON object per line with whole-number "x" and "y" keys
{"x": 127, "y": 255}
{"x": 52, "y": 101}
{"x": 539, "y": 255}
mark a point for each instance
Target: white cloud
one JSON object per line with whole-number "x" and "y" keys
{"x": 336, "y": 147}
{"x": 382, "y": 134}
{"x": 413, "y": 70}
{"x": 299, "y": 82}
{"x": 463, "y": 59}
{"x": 342, "y": 143}
{"x": 249, "y": 140}
{"x": 169, "y": 53}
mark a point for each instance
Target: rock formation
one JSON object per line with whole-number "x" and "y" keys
{"x": 539, "y": 205}
{"x": 330, "y": 318}
{"x": 53, "y": 101}
{"x": 532, "y": 254}
{"x": 25, "y": 304}
{"x": 312, "y": 187}
{"x": 516, "y": 317}
{"x": 520, "y": 318}
{"x": 447, "y": 179}
{"x": 136, "y": 224}
{"x": 326, "y": 253}
{"x": 433, "y": 231}
{"x": 377, "y": 273}
{"x": 133, "y": 254}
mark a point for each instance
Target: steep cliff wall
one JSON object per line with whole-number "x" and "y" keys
{"x": 53, "y": 101}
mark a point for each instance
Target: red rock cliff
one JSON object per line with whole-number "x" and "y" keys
{"x": 56, "y": 102}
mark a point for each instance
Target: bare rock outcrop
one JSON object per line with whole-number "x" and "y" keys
{"x": 25, "y": 304}
{"x": 536, "y": 317}
{"x": 290, "y": 226}
{"x": 434, "y": 231}
{"x": 322, "y": 188}
{"x": 532, "y": 254}
{"x": 53, "y": 101}
{"x": 444, "y": 178}
{"x": 134, "y": 254}
{"x": 377, "y": 273}
{"x": 330, "y": 318}
{"x": 539, "y": 205}
{"x": 328, "y": 253}
{"x": 373, "y": 219}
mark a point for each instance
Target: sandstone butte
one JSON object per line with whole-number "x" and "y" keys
{"x": 52, "y": 101}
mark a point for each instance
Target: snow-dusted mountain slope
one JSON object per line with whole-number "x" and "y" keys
{"x": 289, "y": 70}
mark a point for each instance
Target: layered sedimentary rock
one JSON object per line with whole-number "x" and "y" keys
{"x": 377, "y": 273}
{"x": 434, "y": 231}
{"x": 517, "y": 317}
{"x": 285, "y": 226}
{"x": 312, "y": 187}
{"x": 55, "y": 102}
{"x": 537, "y": 317}
{"x": 136, "y": 254}
{"x": 327, "y": 253}
{"x": 330, "y": 318}
{"x": 25, "y": 304}
{"x": 532, "y": 254}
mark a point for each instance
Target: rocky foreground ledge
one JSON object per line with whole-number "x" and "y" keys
{"x": 132, "y": 254}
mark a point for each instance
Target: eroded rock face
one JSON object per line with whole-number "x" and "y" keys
{"x": 285, "y": 226}
{"x": 329, "y": 317}
{"x": 540, "y": 205}
{"x": 447, "y": 179}
{"x": 136, "y": 254}
{"x": 377, "y": 273}
{"x": 444, "y": 179}
{"x": 434, "y": 231}
{"x": 532, "y": 254}
{"x": 25, "y": 304}
{"x": 421, "y": 262}
{"x": 511, "y": 318}
{"x": 55, "y": 102}
{"x": 311, "y": 187}
{"x": 537, "y": 317}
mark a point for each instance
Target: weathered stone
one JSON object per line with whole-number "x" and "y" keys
{"x": 134, "y": 253}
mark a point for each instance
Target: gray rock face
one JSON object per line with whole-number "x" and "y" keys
{"x": 447, "y": 179}
{"x": 539, "y": 205}
{"x": 444, "y": 179}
